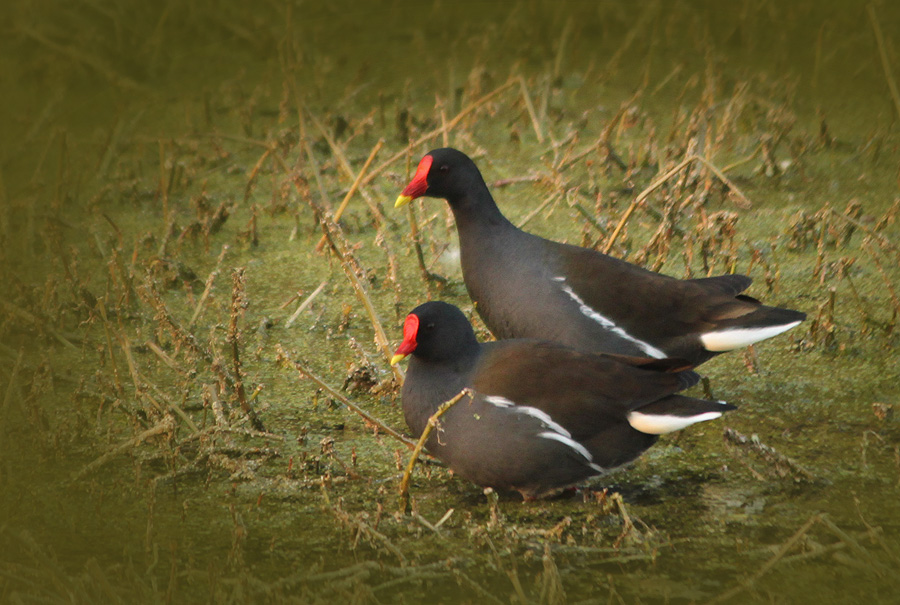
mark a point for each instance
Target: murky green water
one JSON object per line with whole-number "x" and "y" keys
{"x": 138, "y": 141}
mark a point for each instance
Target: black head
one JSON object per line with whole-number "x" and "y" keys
{"x": 445, "y": 173}
{"x": 437, "y": 331}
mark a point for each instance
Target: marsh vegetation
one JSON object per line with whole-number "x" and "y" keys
{"x": 202, "y": 268}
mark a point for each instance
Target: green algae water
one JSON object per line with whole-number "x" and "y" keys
{"x": 159, "y": 169}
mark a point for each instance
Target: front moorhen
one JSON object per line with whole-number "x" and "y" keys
{"x": 542, "y": 416}
{"x": 525, "y": 286}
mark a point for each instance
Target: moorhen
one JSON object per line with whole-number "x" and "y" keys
{"x": 525, "y": 286}
{"x": 542, "y": 416}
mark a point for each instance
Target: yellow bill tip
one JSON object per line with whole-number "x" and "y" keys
{"x": 402, "y": 201}
{"x": 397, "y": 359}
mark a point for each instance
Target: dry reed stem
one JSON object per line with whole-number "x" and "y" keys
{"x": 589, "y": 218}
{"x": 445, "y": 134}
{"x": 628, "y": 526}
{"x": 10, "y": 352}
{"x": 872, "y": 565}
{"x": 61, "y": 170}
{"x": 432, "y": 423}
{"x": 650, "y": 11}
{"x": 743, "y": 161}
{"x": 425, "y": 522}
{"x": 545, "y": 101}
{"x": 435, "y": 132}
{"x": 885, "y": 61}
{"x": 169, "y": 227}
{"x": 844, "y": 265}
{"x": 79, "y": 56}
{"x": 364, "y": 528}
{"x": 270, "y": 145}
{"x": 163, "y": 191}
{"x": 568, "y": 142}
{"x": 819, "y": 269}
{"x": 209, "y": 284}
{"x": 882, "y": 240}
{"x": 139, "y": 390}
{"x": 349, "y": 264}
{"x": 770, "y": 454}
{"x": 125, "y": 277}
{"x": 347, "y": 168}
{"x": 787, "y": 546}
{"x": 393, "y": 271}
{"x": 531, "y": 178}
{"x": 10, "y": 387}
{"x": 251, "y": 180}
{"x": 363, "y": 569}
{"x": 444, "y": 518}
{"x": 895, "y": 300}
{"x": 552, "y": 591}
{"x": 216, "y": 405}
{"x": 305, "y": 304}
{"x": 39, "y": 323}
{"x": 724, "y": 179}
{"x": 530, "y": 107}
{"x": 550, "y": 199}
{"x": 164, "y": 426}
{"x": 164, "y": 357}
{"x": 482, "y": 592}
{"x": 658, "y": 182}
{"x": 353, "y": 188}
{"x": 4, "y": 210}
{"x": 307, "y": 373}
{"x": 186, "y": 338}
{"x": 561, "y": 47}
{"x": 233, "y": 337}
{"x": 310, "y": 156}
{"x": 641, "y": 197}
{"x": 181, "y": 335}
{"x": 513, "y": 572}
{"x": 815, "y": 552}
{"x": 168, "y": 403}
{"x": 864, "y": 561}
{"x": 662, "y": 83}
{"x": 109, "y": 348}
{"x": 603, "y": 139}
{"x": 876, "y": 534}
{"x": 416, "y": 235}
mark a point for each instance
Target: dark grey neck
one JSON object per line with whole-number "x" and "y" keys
{"x": 477, "y": 208}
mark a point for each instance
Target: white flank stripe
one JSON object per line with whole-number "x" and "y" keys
{"x": 500, "y": 402}
{"x": 540, "y": 415}
{"x": 544, "y": 418}
{"x": 569, "y": 442}
{"x": 556, "y": 432}
{"x": 610, "y": 325}
{"x": 656, "y": 424}
{"x": 728, "y": 340}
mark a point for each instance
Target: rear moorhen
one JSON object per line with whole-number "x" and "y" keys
{"x": 525, "y": 286}
{"x": 542, "y": 416}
